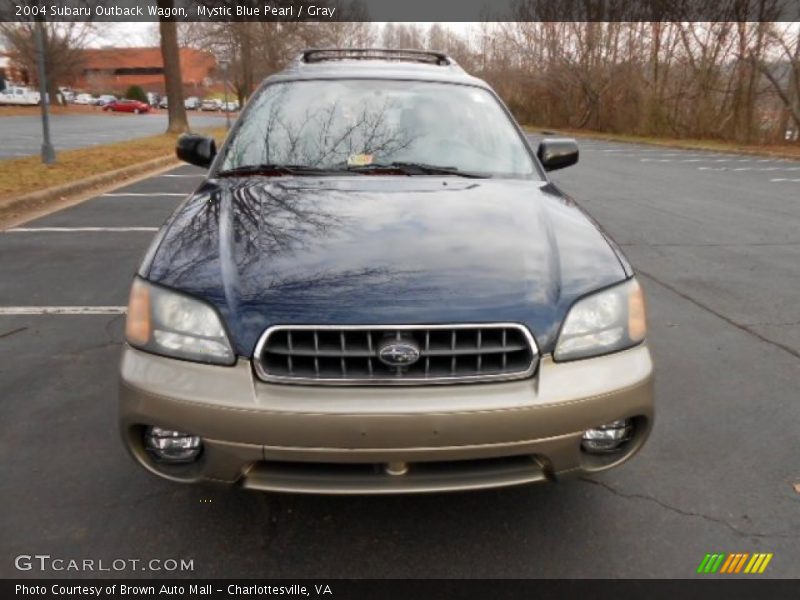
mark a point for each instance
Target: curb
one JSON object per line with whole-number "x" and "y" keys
{"x": 676, "y": 145}
{"x": 38, "y": 199}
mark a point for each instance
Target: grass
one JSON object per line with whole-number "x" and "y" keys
{"x": 55, "y": 109}
{"x": 19, "y": 176}
{"x": 780, "y": 150}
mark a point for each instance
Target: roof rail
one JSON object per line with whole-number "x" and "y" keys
{"x": 313, "y": 55}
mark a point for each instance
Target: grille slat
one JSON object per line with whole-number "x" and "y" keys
{"x": 352, "y": 355}
{"x": 427, "y": 352}
{"x": 480, "y": 357}
{"x": 316, "y": 353}
{"x": 505, "y": 357}
{"x": 365, "y": 353}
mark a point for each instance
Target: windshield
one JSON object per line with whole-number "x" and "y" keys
{"x": 357, "y": 125}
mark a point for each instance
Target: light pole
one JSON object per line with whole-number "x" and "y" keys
{"x": 48, "y": 153}
{"x": 224, "y": 65}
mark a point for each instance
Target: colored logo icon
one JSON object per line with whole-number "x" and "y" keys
{"x": 737, "y": 562}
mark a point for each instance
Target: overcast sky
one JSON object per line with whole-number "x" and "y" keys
{"x": 125, "y": 34}
{"x": 146, "y": 34}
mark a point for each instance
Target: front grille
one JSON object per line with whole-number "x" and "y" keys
{"x": 399, "y": 354}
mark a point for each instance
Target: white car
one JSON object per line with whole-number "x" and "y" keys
{"x": 19, "y": 95}
{"x": 211, "y": 104}
{"x": 84, "y": 99}
{"x": 105, "y": 99}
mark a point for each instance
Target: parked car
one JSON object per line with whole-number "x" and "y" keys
{"x": 191, "y": 103}
{"x": 126, "y": 105}
{"x": 211, "y": 104}
{"x": 105, "y": 99}
{"x": 19, "y": 95}
{"x": 153, "y": 99}
{"x": 230, "y": 106}
{"x": 164, "y": 102}
{"x": 84, "y": 99}
{"x": 382, "y": 294}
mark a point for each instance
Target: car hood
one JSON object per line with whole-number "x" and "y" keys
{"x": 382, "y": 250}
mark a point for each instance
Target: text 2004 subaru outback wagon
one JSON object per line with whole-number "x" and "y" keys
{"x": 377, "y": 290}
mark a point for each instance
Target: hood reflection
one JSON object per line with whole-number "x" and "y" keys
{"x": 391, "y": 250}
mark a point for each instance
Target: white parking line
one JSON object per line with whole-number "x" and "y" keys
{"x": 196, "y": 175}
{"x": 748, "y": 169}
{"x": 62, "y": 310}
{"x": 77, "y": 229}
{"x": 783, "y": 179}
{"x": 120, "y": 194}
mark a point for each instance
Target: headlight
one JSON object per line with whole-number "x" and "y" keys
{"x": 167, "y": 322}
{"x": 610, "y": 320}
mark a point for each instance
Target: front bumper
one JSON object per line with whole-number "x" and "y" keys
{"x": 321, "y": 439}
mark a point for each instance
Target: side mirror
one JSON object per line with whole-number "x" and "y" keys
{"x": 557, "y": 153}
{"x": 196, "y": 149}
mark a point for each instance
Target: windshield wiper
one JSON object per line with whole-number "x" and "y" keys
{"x": 272, "y": 169}
{"x": 416, "y": 168}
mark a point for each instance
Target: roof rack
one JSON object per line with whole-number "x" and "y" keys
{"x": 313, "y": 55}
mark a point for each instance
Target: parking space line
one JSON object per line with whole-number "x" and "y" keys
{"x": 785, "y": 179}
{"x": 77, "y": 229}
{"x": 122, "y": 194}
{"x": 196, "y": 175}
{"x": 758, "y": 169}
{"x": 62, "y": 310}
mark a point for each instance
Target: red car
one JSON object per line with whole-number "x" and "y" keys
{"x": 133, "y": 106}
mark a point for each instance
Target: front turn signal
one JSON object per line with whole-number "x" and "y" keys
{"x": 637, "y": 319}
{"x": 137, "y": 325}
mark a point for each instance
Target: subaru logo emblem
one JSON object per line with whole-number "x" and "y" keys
{"x": 398, "y": 353}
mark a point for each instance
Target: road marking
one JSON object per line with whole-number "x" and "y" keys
{"x": 783, "y": 179}
{"x": 760, "y": 169}
{"x": 77, "y": 229}
{"x": 118, "y": 194}
{"x": 62, "y": 310}
{"x": 171, "y": 175}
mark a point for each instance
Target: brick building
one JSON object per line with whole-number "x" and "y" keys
{"x": 115, "y": 69}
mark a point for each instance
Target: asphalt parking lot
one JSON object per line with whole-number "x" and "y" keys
{"x": 22, "y": 136}
{"x": 716, "y": 239}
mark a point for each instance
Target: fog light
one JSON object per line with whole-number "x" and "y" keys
{"x": 608, "y": 437}
{"x": 172, "y": 446}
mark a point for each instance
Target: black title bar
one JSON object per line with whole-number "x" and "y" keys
{"x": 400, "y": 10}
{"x": 732, "y": 588}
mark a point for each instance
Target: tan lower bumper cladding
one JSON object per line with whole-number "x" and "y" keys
{"x": 342, "y": 439}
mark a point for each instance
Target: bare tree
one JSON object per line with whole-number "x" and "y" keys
{"x": 254, "y": 50}
{"x": 786, "y": 85}
{"x": 173, "y": 82}
{"x": 63, "y": 55}
{"x": 726, "y": 79}
{"x": 735, "y": 78}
